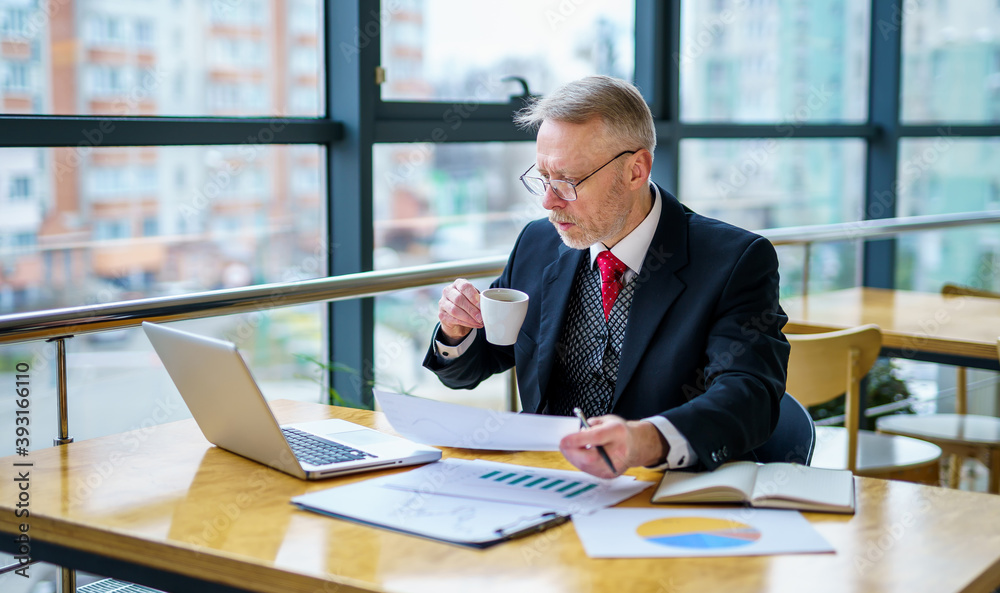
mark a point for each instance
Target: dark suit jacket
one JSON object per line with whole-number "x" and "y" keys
{"x": 703, "y": 345}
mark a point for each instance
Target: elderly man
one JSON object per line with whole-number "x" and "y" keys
{"x": 660, "y": 324}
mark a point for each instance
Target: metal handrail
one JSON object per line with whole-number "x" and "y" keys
{"x": 874, "y": 229}
{"x": 54, "y": 323}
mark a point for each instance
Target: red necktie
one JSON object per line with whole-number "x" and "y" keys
{"x": 612, "y": 270}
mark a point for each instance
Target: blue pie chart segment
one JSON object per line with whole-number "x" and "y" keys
{"x": 698, "y": 533}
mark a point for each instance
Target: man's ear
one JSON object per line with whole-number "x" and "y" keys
{"x": 641, "y": 168}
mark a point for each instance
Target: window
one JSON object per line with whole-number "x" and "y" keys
{"x": 254, "y": 211}
{"x": 443, "y": 51}
{"x": 304, "y": 60}
{"x": 17, "y": 77}
{"x": 433, "y": 203}
{"x": 144, "y": 33}
{"x": 233, "y": 98}
{"x": 241, "y": 53}
{"x": 158, "y": 57}
{"x": 126, "y": 235}
{"x": 107, "y": 230}
{"x": 108, "y": 80}
{"x": 20, "y": 188}
{"x": 150, "y": 227}
{"x": 13, "y": 21}
{"x": 105, "y": 30}
{"x": 814, "y": 77}
{"x": 441, "y": 202}
{"x": 946, "y": 175}
{"x": 949, "y": 63}
{"x": 769, "y": 183}
{"x": 108, "y": 181}
{"x": 238, "y": 12}
{"x": 24, "y": 240}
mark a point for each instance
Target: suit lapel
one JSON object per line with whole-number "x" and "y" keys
{"x": 656, "y": 287}
{"x": 557, "y": 282}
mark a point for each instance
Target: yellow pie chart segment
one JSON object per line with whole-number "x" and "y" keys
{"x": 698, "y": 532}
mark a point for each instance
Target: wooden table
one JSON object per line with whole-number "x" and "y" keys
{"x": 162, "y": 507}
{"x": 958, "y": 330}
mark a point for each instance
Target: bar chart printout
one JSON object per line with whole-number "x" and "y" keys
{"x": 566, "y": 488}
{"x": 562, "y": 490}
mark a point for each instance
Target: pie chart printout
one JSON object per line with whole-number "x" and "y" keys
{"x": 698, "y": 532}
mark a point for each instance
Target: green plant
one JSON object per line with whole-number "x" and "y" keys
{"x": 884, "y": 387}
{"x": 334, "y": 398}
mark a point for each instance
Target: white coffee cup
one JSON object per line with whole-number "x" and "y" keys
{"x": 503, "y": 312}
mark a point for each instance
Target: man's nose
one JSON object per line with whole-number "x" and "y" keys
{"x": 550, "y": 200}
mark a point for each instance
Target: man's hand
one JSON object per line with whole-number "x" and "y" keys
{"x": 628, "y": 443}
{"x": 458, "y": 310}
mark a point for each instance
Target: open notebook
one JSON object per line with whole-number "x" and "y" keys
{"x": 771, "y": 485}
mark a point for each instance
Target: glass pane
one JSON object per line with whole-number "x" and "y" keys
{"x": 454, "y": 50}
{"x": 112, "y": 224}
{"x": 433, "y": 203}
{"x": 107, "y": 224}
{"x": 161, "y": 57}
{"x": 103, "y": 372}
{"x": 772, "y": 61}
{"x": 951, "y": 62}
{"x": 945, "y": 175}
{"x": 763, "y": 184}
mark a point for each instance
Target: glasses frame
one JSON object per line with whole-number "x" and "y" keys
{"x": 548, "y": 184}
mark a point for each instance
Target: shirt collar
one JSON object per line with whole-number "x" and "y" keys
{"x": 632, "y": 249}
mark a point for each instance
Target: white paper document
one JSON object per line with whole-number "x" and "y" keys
{"x": 561, "y": 490}
{"x": 656, "y": 533}
{"x": 442, "y": 424}
{"x": 474, "y": 503}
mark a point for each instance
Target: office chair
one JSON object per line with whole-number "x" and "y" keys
{"x": 793, "y": 439}
{"x": 823, "y": 366}
{"x": 960, "y": 435}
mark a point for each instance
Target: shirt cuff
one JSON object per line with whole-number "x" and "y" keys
{"x": 446, "y": 353}
{"x": 680, "y": 454}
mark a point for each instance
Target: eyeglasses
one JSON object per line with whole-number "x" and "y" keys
{"x": 562, "y": 188}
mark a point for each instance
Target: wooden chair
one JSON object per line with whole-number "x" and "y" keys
{"x": 961, "y": 380}
{"x": 960, "y": 435}
{"x": 823, "y": 366}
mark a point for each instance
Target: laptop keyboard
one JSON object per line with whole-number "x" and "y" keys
{"x": 317, "y": 451}
{"x": 113, "y": 586}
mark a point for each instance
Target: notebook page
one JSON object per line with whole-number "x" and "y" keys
{"x": 739, "y": 475}
{"x": 800, "y": 482}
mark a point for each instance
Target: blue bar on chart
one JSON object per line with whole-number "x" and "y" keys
{"x": 566, "y": 489}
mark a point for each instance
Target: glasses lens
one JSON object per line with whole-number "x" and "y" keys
{"x": 534, "y": 184}
{"x": 563, "y": 189}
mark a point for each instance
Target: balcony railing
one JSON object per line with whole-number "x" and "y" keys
{"x": 58, "y": 324}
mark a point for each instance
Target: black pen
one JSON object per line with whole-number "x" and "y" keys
{"x": 600, "y": 449}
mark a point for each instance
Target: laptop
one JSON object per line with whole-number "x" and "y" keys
{"x": 232, "y": 413}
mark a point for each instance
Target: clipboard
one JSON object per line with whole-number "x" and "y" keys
{"x": 475, "y": 503}
{"x": 448, "y": 519}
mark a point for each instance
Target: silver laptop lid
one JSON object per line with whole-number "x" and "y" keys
{"x": 223, "y": 397}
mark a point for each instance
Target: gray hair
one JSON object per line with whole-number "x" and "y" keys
{"x": 627, "y": 120}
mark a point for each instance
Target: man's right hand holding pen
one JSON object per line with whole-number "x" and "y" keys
{"x": 628, "y": 443}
